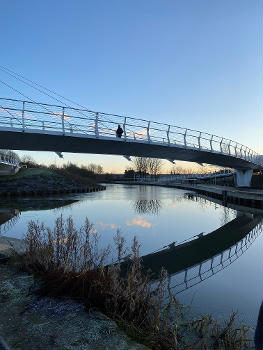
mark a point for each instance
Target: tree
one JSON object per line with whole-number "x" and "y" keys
{"x": 154, "y": 166}
{"x": 94, "y": 168}
{"x": 29, "y": 161}
{"x": 140, "y": 165}
{"x": 99, "y": 169}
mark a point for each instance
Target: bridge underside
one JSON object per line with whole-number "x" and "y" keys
{"x": 55, "y": 142}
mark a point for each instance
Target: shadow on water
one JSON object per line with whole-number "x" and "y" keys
{"x": 201, "y": 258}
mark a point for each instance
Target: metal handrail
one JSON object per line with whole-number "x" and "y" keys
{"x": 98, "y": 124}
{"x": 220, "y": 173}
{"x": 8, "y": 160}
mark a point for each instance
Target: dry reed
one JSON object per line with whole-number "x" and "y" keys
{"x": 69, "y": 262}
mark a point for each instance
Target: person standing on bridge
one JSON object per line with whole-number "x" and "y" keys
{"x": 119, "y": 131}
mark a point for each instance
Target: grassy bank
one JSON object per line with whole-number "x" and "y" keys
{"x": 30, "y": 180}
{"x": 68, "y": 262}
{"x": 26, "y": 173}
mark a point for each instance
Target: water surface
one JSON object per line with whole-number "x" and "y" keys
{"x": 159, "y": 216}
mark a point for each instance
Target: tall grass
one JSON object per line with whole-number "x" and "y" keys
{"x": 69, "y": 262}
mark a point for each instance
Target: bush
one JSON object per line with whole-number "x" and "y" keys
{"x": 70, "y": 262}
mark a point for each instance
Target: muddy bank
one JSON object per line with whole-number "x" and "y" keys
{"x": 38, "y": 182}
{"x": 29, "y": 322}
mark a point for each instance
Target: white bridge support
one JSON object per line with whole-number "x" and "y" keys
{"x": 243, "y": 177}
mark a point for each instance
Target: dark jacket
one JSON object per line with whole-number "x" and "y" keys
{"x": 119, "y": 131}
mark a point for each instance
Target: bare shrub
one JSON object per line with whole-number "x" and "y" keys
{"x": 64, "y": 248}
{"x": 70, "y": 263}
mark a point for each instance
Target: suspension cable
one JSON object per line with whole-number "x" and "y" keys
{"x": 15, "y": 76}
{"x": 41, "y": 86}
{"x": 37, "y": 103}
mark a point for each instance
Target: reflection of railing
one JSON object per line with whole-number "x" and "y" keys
{"x": 45, "y": 118}
{"x": 6, "y": 226}
{"x": 206, "y": 269}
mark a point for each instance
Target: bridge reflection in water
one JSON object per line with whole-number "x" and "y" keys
{"x": 199, "y": 259}
{"x": 189, "y": 263}
{"x": 10, "y": 216}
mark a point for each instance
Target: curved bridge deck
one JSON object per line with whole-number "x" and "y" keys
{"x": 26, "y": 125}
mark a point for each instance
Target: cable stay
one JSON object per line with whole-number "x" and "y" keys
{"x": 24, "y": 80}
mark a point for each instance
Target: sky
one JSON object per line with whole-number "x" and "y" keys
{"x": 191, "y": 63}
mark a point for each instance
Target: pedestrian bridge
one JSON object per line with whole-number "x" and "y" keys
{"x": 27, "y": 125}
{"x": 8, "y": 164}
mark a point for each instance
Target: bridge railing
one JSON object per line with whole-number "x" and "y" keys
{"x": 8, "y": 159}
{"x": 46, "y": 118}
{"x": 181, "y": 177}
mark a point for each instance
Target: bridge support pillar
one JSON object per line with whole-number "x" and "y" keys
{"x": 243, "y": 177}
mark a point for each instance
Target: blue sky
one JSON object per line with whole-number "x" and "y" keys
{"x": 191, "y": 63}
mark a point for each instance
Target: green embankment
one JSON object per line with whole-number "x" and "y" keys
{"x": 28, "y": 172}
{"x": 43, "y": 180}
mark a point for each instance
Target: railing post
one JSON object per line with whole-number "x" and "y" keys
{"x": 23, "y": 116}
{"x": 211, "y": 266}
{"x": 236, "y": 150}
{"x": 245, "y": 152}
{"x": 43, "y": 125}
{"x": 168, "y": 134}
{"x": 241, "y": 150}
{"x": 96, "y": 125}
{"x": 199, "y": 140}
{"x": 199, "y": 271}
{"x": 229, "y": 150}
{"x": 63, "y": 120}
{"x": 148, "y": 132}
{"x": 185, "y": 144}
{"x": 185, "y": 275}
{"x": 249, "y": 154}
{"x": 221, "y": 148}
{"x": 211, "y": 142}
{"x": 124, "y": 128}
{"x": 252, "y": 156}
{"x": 221, "y": 259}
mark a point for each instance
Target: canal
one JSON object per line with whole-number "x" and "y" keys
{"x": 230, "y": 279}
